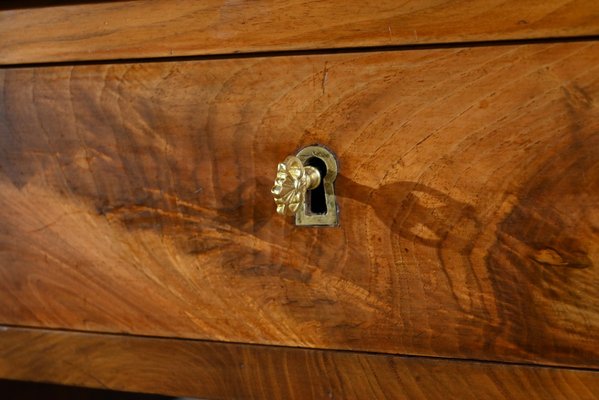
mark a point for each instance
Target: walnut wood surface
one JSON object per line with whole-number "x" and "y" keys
{"x": 232, "y": 371}
{"x": 136, "y": 198}
{"x": 163, "y": 28}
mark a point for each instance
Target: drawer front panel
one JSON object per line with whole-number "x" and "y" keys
{"x": 136, "y": 198}
{"x": 209, "y": 370}
{"x": 137, "y": 29}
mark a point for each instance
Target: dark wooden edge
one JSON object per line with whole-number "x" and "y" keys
{"x": 161, "y": 28}
{"x": 23, "y": 390}
{"x": 220, "y": 370}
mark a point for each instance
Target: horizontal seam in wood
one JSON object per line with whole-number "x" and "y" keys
{"x": 278, "y": 346}
{"x": 308, "y": 52}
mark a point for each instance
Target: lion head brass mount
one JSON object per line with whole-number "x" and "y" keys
{"x": 304, "y": 187}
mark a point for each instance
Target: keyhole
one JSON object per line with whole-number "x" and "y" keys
{"x": 316, "y": 197}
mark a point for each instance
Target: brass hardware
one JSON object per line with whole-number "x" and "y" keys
{"x": 292, "y": 181}
{"x": 296, "y": 183}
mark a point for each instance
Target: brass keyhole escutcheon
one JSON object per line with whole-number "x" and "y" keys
{"x": 304, "y": 187}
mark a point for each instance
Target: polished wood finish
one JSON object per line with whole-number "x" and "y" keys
{"x": 163, "y": 28}
{"x": 217, "y": 370}
{"x": 136, "y": 198}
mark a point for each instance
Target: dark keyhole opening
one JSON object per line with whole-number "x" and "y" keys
{"x": 316, "y": 197}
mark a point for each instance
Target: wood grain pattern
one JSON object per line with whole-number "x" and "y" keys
{"x": 136, "y": 198}
{"x": 230, "y": 371}
{"x": 162, "y": 28}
